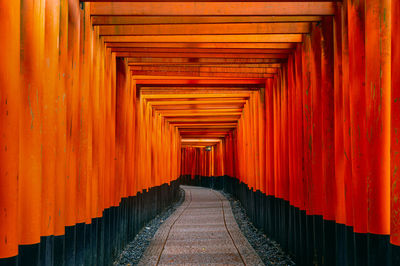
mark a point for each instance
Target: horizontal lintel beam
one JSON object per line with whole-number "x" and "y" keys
{"x": 223, "y": 38}
{"x": 205, "y": 29}
{"x": 213, "y": 8}
{"x": 202, "y": 74}
{"x": 200, "y": 50}
{"x": 157, "y": 20}
{"x": 208, "y": 45}
{"x": 199, "y": 82}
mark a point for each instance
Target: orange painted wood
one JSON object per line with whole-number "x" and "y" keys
{"x": 9, "y": 124}
{"x": 395, "y": 125}
{"x": 197, "y": 50}
{"x": 378, "y": 82}
{"x": 193, "y": 56}
{"x": 223, "y": 38}
{"x": 201, "y": 61}
{"x": 316, "y": 188}
{"x": 299, "y": 125}
{"x": 207, "y": 29}
{"x": 30, "y": 161}
{"x": 307, "y": 124}
{"x": 155, "y": 20}
{"x": 203, "y": 45}
{"x": 356, "y": 31}
{"x": 61, "y": 105}
{"x": 49, "y": 118}
{"x": 328, "y": 118}
{"x": 339, "y": 118}
{"x": 150, "y": 81}
{"x": 218, "y": 69}
{"x": 213, "y": 8}
{"x": 72, "y": 96}
{"x": 200, "y": 74}
{"x": 348, "y": 178}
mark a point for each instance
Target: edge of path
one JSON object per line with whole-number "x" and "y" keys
{"x": 267, "y": 249}
{"x": 134, "y": 251}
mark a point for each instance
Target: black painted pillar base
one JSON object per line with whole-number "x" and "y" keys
{"x": 46, "y": 250}
{"x": 12, "y": 261}
{"x": 29, "y": 254}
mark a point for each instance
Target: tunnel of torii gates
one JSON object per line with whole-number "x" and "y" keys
{"x": 106, "y": 107}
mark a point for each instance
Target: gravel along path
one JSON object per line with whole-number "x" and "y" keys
{"x": 202, "y": 231}
{"x": 267, "y": 249}
{"x": 134, "y": 250}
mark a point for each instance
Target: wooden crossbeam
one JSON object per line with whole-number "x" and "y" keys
{"x": 202, "y": 74}
{"x": 215, "y": 69}
{"x": 203, "y": 130}
{"x": 196, "y": 112}
{"x": 202, "y": 61}
{"x": 201, "y": 119}
{"x": 205, "y": 29}
{"x": 204, "y": 136}
{"x": 196, "y": 96}
{"x": 213, "y": 8}
{"x": 156, "y": 20}
{"x": 209, "y": 102}
{"x": 223, "y": 67}
{"x": 198, "y": 55}
{"x": 191, "y": 90}
{"x": 199, "y": 50}
{"x": 163, "y": 77}
{"x": 244, "y": 45}
{"x": 187, "y": 82}
{"x": 197, "y": 126}
{"x": 207, "y": 125}
{"x": 197, "y": 115}
{"x": 198, "y": 107}
{"x": 208, "y": 140}
{"x": 223, "y": 38}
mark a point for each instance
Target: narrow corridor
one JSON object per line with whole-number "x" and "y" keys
{"x": 107, "y": 107}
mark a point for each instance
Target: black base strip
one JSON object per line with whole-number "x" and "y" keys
{"x": 100, "y": 242}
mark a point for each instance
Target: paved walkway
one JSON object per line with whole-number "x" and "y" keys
{"x": 202, "y": 231}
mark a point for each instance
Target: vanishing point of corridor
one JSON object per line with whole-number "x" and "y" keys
{"x": 290, "y": 107}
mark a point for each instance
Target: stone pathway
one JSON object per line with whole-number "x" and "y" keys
{"x": 202, "y": 231}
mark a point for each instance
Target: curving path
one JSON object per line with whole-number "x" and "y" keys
{"x": 201, "y": 231}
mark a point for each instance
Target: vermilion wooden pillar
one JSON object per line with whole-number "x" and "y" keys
{"x": 61, "y": 142}
{"x": 72, "y": 96}
{"x": 339, "y": 119}
{"x": 327, "y": 105}
{"x": 377, "y": 82}
{"x": 316, "y": 122}
{"x": 9, "y": 126}
{"x": 86, "y": 106}
{"x": 49, "y": 116}
{"x": 328, "y": 139}
{"x": 30, "y": 154}
{"x": 284, "y": 148}
{"x": 307, "y": 146}
{"x": 299, "y": 128}
{"x": 339, "y": 136}
{"x": 269, "y": 143}
{"x": 358, "y": 118}
{"x": 377, "y": 113}
{"x": 395, "y": 131}
{"x": 348, "y": 182}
